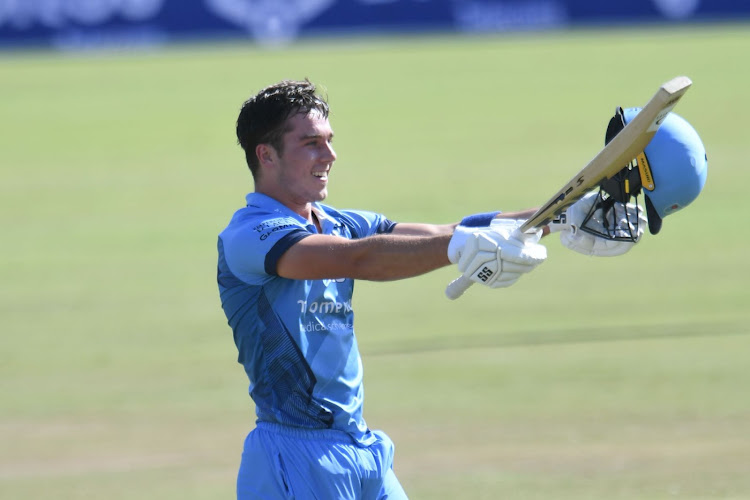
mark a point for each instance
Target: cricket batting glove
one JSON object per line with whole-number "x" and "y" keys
{"x": 495, "y": 257}
{"x": 468, "y": 225}
{"x": 594, "y": 231}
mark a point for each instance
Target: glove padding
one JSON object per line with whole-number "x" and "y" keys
{"x": 625, "y": 226}
{"x": 458, "y": 241}
{"x": 498, "y": 256}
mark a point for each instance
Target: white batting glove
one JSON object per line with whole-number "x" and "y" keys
{"x": 630, "y": 220}
{"x": 462, "y": 233}
{"x": 497, "y": 257}
{"x": 458, "y": 240}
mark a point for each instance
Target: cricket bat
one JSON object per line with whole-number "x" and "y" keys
{"x": 615, "y": 156}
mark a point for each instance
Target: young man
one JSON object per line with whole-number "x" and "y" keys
{"x": 287, "y": 265}
{"x": 286, "y": 271}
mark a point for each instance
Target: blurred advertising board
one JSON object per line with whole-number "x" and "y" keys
{"x": 76, "y": 24}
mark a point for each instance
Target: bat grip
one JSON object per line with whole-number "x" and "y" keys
{"x": 457, "y": 287}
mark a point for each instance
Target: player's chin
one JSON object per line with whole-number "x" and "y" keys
{"x": 321, "y": 194}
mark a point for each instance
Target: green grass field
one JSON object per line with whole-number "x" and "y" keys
{"x": 589, "y": 379}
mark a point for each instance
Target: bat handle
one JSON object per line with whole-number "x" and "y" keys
{"x": 457, "y": 287}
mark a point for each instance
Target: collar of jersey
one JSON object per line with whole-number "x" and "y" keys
{"x": 261, "y": 200}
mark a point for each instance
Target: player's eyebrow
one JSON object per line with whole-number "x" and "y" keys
{"x": 316, "y": 136}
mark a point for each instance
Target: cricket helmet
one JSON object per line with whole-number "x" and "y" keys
{"x": 671, "y": 170}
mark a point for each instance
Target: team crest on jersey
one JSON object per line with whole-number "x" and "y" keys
{"x": 269, "y": 20}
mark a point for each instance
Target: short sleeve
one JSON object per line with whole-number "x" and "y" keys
{"x": 252, "y": 251}
{"x": 363, "y": 223}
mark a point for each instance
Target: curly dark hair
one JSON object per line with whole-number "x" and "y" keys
{"x": 263, "y": 117}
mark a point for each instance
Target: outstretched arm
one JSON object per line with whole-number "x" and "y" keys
{"x": 416, "y": 229}
{"x": 410, "y": 250}
{"x": 381, "y": 257}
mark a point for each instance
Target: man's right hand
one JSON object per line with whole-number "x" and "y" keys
{"x": 499, "y": 255}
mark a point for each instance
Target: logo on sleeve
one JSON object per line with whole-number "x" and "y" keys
{"x": 267, "y": 228}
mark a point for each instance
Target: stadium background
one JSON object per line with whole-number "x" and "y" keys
{"x": 592, "y": 378}
{"x": 93, "y": 23}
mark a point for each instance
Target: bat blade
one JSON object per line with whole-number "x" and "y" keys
{"x": 616, "y": 155}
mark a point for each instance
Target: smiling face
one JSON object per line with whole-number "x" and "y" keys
{"x": 297, "y": 175}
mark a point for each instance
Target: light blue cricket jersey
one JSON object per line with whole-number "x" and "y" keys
{"x": 295, "y": 337}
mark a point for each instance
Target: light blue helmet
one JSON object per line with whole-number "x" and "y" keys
{"x": 677, "y": 161}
